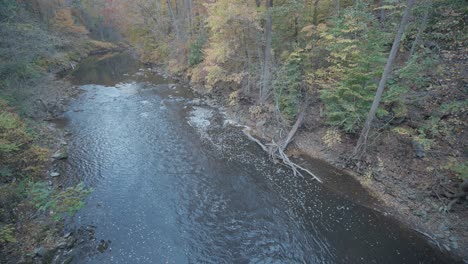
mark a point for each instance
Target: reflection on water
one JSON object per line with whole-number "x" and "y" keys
{"x": 105, "y": 70}
{"x": 172, "y": 188}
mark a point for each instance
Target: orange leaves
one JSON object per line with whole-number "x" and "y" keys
{"x": 65, "y": 22}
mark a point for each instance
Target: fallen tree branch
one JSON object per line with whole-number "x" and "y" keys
{"x": 276, "y": 152}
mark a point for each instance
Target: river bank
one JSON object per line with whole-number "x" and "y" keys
{"x": 36, "y": 202}
{"x": 112, "y": 99}
{"x": 405, "y": 185}
{"x": 180, "y": 184}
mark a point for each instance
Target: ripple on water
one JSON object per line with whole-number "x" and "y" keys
{"x": 163, "y": 194}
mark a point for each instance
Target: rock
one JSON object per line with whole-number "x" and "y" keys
{"x": 421, "y": 213}
{"x": 61, "y": 245}
{"x": 443, "y": 228}
{"x": 40, "y": 251}
{"x": 67, "y": 235}
{"x": 418, "y": 149}
{"x": 54, "y": 174}
{"x": 70, "y": 242}
{"x": 60, "y": 155}
{"x": 25, "y": 260}
{"x": 68, "y": 260}
{"x": 103, "y": 245}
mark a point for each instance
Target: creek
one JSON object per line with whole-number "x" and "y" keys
{"x": 175, "y": 182}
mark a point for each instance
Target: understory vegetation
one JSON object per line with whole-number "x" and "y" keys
{"x": 308, "y": 66}
{"x": 25, "y": 195}
{"x": 272, "y": 58}
{"x": 379, "y": 84}
{"x": 38, "y": 38}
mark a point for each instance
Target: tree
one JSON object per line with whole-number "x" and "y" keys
{"x": 174, "y": 19}
{"x": 265, "y": 90}
{"x": 362, "y": 142}
{"x": 353, "y": 59}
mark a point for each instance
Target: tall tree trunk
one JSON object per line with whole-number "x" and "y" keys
{"x": 174, "y": 19}
{"x": 189, "y": 14}
{"x": 382, "y": 14}
{"x": 421, "y": 29}
{"x": 362, "y": 142}
{"x": 315, "y": 17}
{"x": 265, "y": 90}
{"x": 338, "y": 8}
{"x": 300, "y": 119}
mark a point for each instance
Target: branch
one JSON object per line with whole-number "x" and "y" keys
{"x": 276, "y": 152}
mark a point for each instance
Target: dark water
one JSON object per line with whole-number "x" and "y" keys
{"x": 173, "y": 183}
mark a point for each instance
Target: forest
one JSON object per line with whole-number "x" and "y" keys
{"x": 376, "y": 88}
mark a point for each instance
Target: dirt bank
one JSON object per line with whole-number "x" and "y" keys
{"x": 38, "y": 237}
{"x": 391, "y": 172}
{"x": 406, "y": 186}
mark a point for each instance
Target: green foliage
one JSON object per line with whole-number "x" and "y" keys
{"x": 196, "y": 51}
{"x": 39, "y": 194}
{"x": 454, "y": 107}
{"x": 356, "y": 61}
{"x": 12, "y": 133}
{"x": 7, "y": 234}
{"x": 460, "y": 169}
{"x": 416, "y": 72}
{"x": 66, "y": 202}
{"x": 8, "y": 9}
{"x": 448, "y": 22}
{"x": 288, "y": 85}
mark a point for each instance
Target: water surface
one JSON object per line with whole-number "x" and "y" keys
{"x": 174, "y": 183}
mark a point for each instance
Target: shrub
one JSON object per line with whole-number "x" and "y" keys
{"x": 8, "y": 9}
{"x": 66, "y": 202}
{"x": 288, "y": 86}
{"x": 7, "y": 234}
{"x": 356, "y": 60}
{"x": 196, "y": 51}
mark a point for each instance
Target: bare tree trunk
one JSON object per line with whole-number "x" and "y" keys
{"x": 174, "y": 19}
{"x": 338, "y": 8}
{"x": 421, "y": 28}
{"x": 296, "y": 126}
{"x": 189, "y": 14}
{"x": 382, "y": 13}
{"x": 264, "y": 91}
{"x": 362, "y": 142}
{"x": 315, "y": 17}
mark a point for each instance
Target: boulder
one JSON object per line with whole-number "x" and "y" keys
{"x": 60, "y": 154}
{"x": 418, "y": 149}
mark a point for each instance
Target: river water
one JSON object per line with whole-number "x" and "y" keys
{"x": 174, "y": 182}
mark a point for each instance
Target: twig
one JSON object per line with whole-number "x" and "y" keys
{"x": 430, "y": 237}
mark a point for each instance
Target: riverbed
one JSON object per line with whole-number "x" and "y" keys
{"x": 174, "y": 181}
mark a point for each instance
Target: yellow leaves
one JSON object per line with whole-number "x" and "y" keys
{"x": 65, "y": 22}
{"x": 403, "y": 131}
{"x": 322, "y": 27}
{"x": 308, "y": 30}
{"x": 386, "y": 7}
{"x": 345, "y": 41}
{"x": 328, "y": 37}
{"x": 236, "y": 77}
{"x": 36, "y": 158}
{"x": 233, "y": 98}
{"x": 340, "y": 55}
{"x": 214, "y": 74}
{"x": 332, "y": 137}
